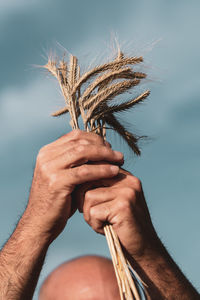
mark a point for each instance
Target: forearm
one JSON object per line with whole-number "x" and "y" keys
{"x": 163, "y": 277}
{"x": 21, "y": 261}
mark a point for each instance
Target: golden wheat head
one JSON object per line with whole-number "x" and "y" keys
{"x": 90, "y": 95}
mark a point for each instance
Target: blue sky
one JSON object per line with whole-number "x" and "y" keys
{"x": 166, "y": 33}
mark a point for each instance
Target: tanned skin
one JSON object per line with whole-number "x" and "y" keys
{"x": 121, "y": 203}
{"x": 117, "y": 198}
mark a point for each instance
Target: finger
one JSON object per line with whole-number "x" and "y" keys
{"x": 98, "y": 216}
{"x": 52, "y": 152}
{"x": 103, "y": 187}
{"x": 93, "y": 197}
{"x": 80, "y": 134}
{"x": 81, "y": 154}
{"x": 61, "y": 145}
{"x": 123, "y": 178}
{"x": 104, "y": 182}
{"x": 85, "y": 173}
{"x": 79, "y": 193}
{"x": 80, "y": 190}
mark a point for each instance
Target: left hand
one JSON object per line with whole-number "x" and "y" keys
{"x": 120, "y": 202}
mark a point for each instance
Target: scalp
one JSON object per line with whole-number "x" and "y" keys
{"x": 88, "y": 277}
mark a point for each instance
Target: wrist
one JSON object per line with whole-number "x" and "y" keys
{"x": 151, "y": 251}
{"x": 158, "y": 270}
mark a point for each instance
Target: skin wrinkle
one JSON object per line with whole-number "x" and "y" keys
{"x": 48, "y": 211}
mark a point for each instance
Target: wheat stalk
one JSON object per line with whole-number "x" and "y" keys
{"x": 94, "y": 105}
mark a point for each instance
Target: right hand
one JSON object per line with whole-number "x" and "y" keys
{"x": 120, "y": 202}
{"x": 60, "y": 166}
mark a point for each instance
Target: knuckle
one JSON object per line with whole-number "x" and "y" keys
{"x": 83, "y": 171}
{"x": 125, "y": 205}
{"x": 129, "y": 193}
{"x": 45, "y": 172}
{"x": 135, "y": 182}
{"x": 93, "y": 212}
{"x": 80, "y": 149}
{"x": 97, "y": 139}
{"x": 138, "y": 183}
{"x": 83, "y": 141}
{"x": 43, "y": 154}
{"x": 76, "y": 133}
{"x": 44, "y": 169}
{"x": 88, "y": 196}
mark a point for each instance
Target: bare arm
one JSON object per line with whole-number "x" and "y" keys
{"x": 59, "y": 168}
{"x": 120, "y": 201}
{"x": 21, "y": 260}
{"x": 162, "y": 275}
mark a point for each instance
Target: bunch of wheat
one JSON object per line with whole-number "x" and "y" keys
{"x": 90, "y": 96}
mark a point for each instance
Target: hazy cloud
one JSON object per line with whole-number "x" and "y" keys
{"x": 169, "y": 166}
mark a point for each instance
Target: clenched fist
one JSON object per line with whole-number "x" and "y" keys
{"x": 75, "y": 158}
{"x": 120, "y": 202}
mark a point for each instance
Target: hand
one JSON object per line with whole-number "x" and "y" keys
{"x": 73, "y": 159}
{"x": 120, "y": 202}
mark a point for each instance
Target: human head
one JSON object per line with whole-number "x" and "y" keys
{"x": 84, "y": 278}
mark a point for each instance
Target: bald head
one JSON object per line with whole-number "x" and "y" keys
{"x": 84, "y": 278}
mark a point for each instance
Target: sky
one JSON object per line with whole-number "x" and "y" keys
{"x": 166, "y": 34}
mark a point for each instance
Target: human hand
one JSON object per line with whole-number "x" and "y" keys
{"x": 73, "y": 159}
{"x": 120, "y": 202}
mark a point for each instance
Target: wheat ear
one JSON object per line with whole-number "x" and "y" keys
{"x": 94, "y": 105}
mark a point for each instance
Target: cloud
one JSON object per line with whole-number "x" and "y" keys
{"x": 9, "y": 6}
{"x": 29, "y": 27}
{"x": 25, "y": 110}
{"x": 168, "y": 166}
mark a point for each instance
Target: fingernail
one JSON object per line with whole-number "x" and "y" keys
{"x": 118, "y": 155}
{"x": 114, "y": 169}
